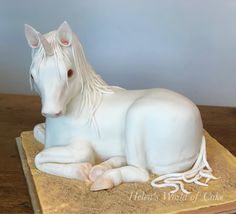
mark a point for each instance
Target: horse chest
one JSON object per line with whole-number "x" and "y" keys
{"x": 63, "y": 131}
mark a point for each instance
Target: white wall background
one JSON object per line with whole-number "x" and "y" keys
{"x": 187, "y": 45}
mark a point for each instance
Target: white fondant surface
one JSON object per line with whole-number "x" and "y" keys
{"x": 156, "y": 129}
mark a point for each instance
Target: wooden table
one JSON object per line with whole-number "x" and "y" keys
{"x": 20, "y": 113}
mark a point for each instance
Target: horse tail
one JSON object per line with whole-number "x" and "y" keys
{"x": 201, "y": 169}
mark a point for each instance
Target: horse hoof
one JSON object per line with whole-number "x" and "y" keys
{"x": 102, "y": 184}
{"x": 96, "y": 171}
{"x": 83, "y": 171}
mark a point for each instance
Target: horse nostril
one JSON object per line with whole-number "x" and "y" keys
{"x": 58, "y": 114}
{"x": 51, "y": 114}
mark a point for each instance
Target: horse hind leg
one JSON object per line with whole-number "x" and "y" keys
{"x": 101, "y": 168}
{"x": 114, "y": 177}
{"x": 39, "y": 132}
{"x": 135, "y": 172}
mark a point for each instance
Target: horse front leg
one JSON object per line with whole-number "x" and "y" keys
{"x": 68, "y": 161}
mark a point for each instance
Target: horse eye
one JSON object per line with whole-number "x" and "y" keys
{"x": 31, "y": 76}
{"x": 70, "y": 73}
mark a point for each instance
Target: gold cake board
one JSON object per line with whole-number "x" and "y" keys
{"x": 52, "y": 194}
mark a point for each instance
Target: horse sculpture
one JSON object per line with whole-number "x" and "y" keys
{"x": 131, "y": 132}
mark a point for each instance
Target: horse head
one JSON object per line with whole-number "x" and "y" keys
{"x": 52, "y": 72}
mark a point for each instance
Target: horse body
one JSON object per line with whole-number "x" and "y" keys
{"x": 156, "y": 129}
{"x": 131, "y": 131}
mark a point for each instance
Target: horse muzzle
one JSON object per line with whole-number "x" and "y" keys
{"x": 50, "y": 114}
{"x": 51, "y": 111}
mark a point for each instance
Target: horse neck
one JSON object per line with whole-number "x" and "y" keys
{"x": 89, "y": 97}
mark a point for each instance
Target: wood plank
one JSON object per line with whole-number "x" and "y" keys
{"x": 30, "y": 184}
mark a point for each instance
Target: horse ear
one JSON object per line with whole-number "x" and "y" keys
{"x": 32, "y": 36}
{"x": 64, "y": 34}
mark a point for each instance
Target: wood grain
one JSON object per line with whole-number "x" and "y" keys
{"x": 220, "y": 122}
{"x": 19, "y": 113}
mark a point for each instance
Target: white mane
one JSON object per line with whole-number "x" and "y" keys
{"x": 92, "y": 84}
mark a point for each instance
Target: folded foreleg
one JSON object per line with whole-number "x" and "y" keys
{"x": 66, "y": 161}
{"x": 39, "y": 132}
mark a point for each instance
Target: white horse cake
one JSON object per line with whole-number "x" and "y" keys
{"x": 131, "y": 132}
